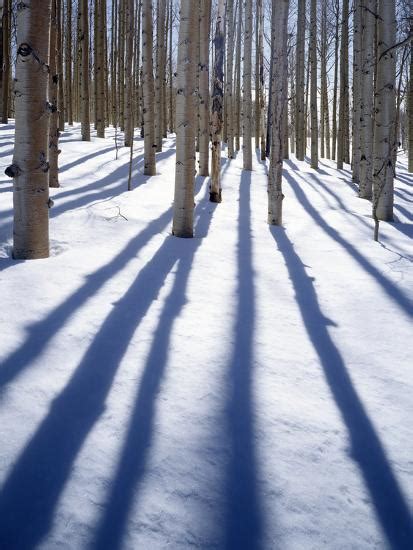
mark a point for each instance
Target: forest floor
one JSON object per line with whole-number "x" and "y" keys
{"x": 250, "y": 388}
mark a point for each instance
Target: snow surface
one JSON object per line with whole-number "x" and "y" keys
{"x": 250, "y": 388}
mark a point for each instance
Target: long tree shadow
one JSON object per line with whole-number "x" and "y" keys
{"x": 244, "y": 511}
{"x": 112, "y": 185}
{"x": 367, "y": 450}
{"x": 40, "y": 333}
{"x": 132, "y": 463}
{"x": 31, "y": 491}
{"x": 391, "y": 290}
{"x": 84, "y": 158}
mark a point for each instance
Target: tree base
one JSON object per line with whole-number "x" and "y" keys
{"x": 215, "y": 197}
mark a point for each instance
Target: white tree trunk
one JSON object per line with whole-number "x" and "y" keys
{"x": 313, "y": 84}
{"x": 385, "y": 112}
{"x": 410, "y": 109}
{"x": 83, "y": 41}
{"x": 229, "y": 78}
{"x": 205, "y": 26}
{"x": 246, "y": 95}
{"x": 279, "y": 105}
{"x": 183, "y": 217}
{"x": 357, "y": 64}
{"x": 160, "y": 74}
{"x": 367, "y": 99}
{"x": 300, "y": 83}
{"x": 148, "y": 89}
{"x": 30, "y": 168}
{"x": 217, "y": 105}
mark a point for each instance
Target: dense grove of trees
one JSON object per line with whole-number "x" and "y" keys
{"x": 331, "y": 78}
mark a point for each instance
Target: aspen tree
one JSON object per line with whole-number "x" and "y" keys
{"x": 183, "y": 211}
{"x": 237, "y": 94}
{"x": 229, "y": 78}
{"x": 1, "y": 52}
{"x": 246, "y": 90}
{"x": 6, "y": 21}
{"x": 68, "y": 63}
{"x": 324, "y": 111}
{"x": 279, "y": 101}
{"x": 357, "y": 61}
{"x": 257, "y": 118}
{"x": 205, "y": 26}
{"x": 53, "y": 101}
{"x": 217, "y": 105}
{"x": 30, "y": 168}
{"x": 343, "y": 104}
{"x": 313, "y": 80}
{"x": 335, "y": 85}
{"x": 300, "y": 83}
{"x": 261, "y": 98}
{"x": 128, "y": 111}
{"x": 171, "y": 95}
{"x": 114, "y": 61}
{"x": 410, "y": 110}
{"x": 100, "y": 68}
{"x": 148, "y": 89}
{"x": 59, "y": 63}
{"x": 83, "y": 44}
{"x": 385, "y": 113}
{"x": 367, "y": 99}
{"x": 160, "y": 73}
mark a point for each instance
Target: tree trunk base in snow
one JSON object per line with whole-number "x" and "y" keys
{"x": 215, "y": 197}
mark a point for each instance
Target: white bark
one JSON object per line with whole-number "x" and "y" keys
{"x": 205, "y": 26}
{"x": 357, "y": 63}
{"x": 300, "y": 83}
{"x": 229, "y": 78}
{"x": 279, "y": 106}
{"x": 30, "y": 165}
{"x": 83, "y": 41}
{"x": 148, "y": 89}
{"x": 313, "y": 84}
{"x": 385, "y": 112}
{"x": 367, "y": 100}
{"x": 410, "y": 110}
{"x": 217, "y": 105}
{"x": 246, "y": 95}
{"x": 185, "y": 122}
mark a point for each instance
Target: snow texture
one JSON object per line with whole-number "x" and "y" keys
{"x": 250, "y": 388}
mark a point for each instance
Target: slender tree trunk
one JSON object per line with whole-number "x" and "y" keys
{"x": 205, "y": 26}
{"x": 343, "y": 105}
{"x": 68, "y": 63}
{"x": 385, "y": 112}
{"x": 313, "y": 94}
{"x": 59, "y": 60}
{"x": 129, "y": 94}
{"x": 410, "y": 110}
{"x": 30, "y": 168}
{"x": 53, "y": 101}
{"x": 171, "y": 93}
{"x": 160, "y": 73}
{"x": 336, "y": 49}
{"x": 83, "y": 41}
{"x": 300, "y": 82}
{"x": 185, "y": 123}
{"x": 261, "y": 98}
{"x": 6, "y": 19}
{"x": 237, "y": 104}
{"x": 357, "y": 67}
{"x": 280, "y": 104}
{"x": 148, "y": 89}
{"x": 100, "y": 68}
{"x": 229, "y": 78}
{"x": 257, "y": 118}
{"x": 367, "y": 99}
{"x": 217, "y": 105}
{"x": 246, "y": 92}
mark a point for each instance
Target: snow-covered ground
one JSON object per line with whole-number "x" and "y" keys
{"x": 250, "y": 388}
